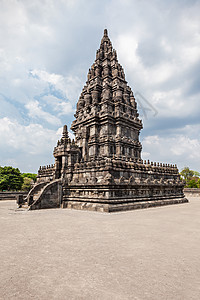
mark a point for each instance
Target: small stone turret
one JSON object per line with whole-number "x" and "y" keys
{"x": 66, "y": 155}
{"x": 65, "y": 134}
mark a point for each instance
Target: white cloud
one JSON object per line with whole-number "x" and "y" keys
{"x": 59, "y": 106}
{"x": 69, "y": 85}
{"x": 32, "y": 138}
{"x": 157, "y": 43}
{"x": 177, "y": 148}
{"x": 159, "y": 53}
{"x": 145, "y": 155}
{"x": 152, "y": 140}
{"x": 26, "y": 147}
{"x": 187, "y": 147}
{"x": 35, "y": 111}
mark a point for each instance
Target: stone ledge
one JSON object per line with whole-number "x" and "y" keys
{"x": 192, "y": 192}
{"x": 11, "y": 195}
{"x": 120, "y": 207}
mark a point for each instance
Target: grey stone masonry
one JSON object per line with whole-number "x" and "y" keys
{"x": 107, "y": 120}
{"x": 102, "y": 169}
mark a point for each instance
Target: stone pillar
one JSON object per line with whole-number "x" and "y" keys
{"x": 57, "y": 168}
{"x": 64, "y": 162}
{"x": 84, "y": 150}
{"x": 97, "y": 71}
{"x": 106, "y": 150}
{"x": 119, "y": 130}
{"x": 20, "y": 200}
{"x": 118, "y": 94}
{"x": 56, "y": 164}
{"x": 95, "y": 96}
{"x": 85, "y": 143}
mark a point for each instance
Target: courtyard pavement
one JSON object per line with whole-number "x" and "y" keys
{"x": 66, "y": 254}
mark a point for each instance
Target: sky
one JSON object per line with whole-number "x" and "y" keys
{"x": 47, "y": 47}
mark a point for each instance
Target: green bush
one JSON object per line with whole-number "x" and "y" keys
{"x": 27, "y": 184}
{"x": 191, "y": 178}
{"x": 10, "y": 179}
{"x": 192, "y": 184}
{"x": 30, "y": 175}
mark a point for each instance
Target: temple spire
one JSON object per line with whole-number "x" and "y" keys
{"x": 105, "y": 32}
{"x": 65, "y": 132}
{"x": 105, "y": 42}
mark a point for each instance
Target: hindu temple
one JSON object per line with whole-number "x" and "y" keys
{"x": 102, "y": 168}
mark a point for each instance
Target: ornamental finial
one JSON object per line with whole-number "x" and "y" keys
{"x": 65, "y": 132}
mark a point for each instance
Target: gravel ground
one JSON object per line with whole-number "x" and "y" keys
{"x": 66, "y": 254}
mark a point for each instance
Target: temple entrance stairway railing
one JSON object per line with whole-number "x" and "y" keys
{"x": 47, "y": 196}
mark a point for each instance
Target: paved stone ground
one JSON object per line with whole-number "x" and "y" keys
{"x": 63, "y": 254}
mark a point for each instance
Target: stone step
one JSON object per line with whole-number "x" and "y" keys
{"x": 23, "y": 208}
{"x": 37, "y": 194}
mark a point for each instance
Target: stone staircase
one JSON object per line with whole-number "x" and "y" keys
{"x": 32, "y": 196}
{"x": 45, "y": 195}
{"x": 35, "y": 191}
{"x": 37, "y": 194}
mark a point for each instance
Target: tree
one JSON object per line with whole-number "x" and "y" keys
{"x": 192, "y": 183}
{"x": 10, "y": 178}
{"x": 27, "y": 184}
{"x": 30, "y": 175}
{"x": 191, "y": 177}
{"x": 186, "y": 173}
{"x": 196, "y": 174}
{"x": 198, "y": 183}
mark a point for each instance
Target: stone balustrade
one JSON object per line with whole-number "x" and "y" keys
{"x": 49, "y": 169}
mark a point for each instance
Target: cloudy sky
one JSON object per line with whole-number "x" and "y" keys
{"x": 47, "y": 47}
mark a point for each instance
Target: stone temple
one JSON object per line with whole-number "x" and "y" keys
{"x": 102, "y": 169}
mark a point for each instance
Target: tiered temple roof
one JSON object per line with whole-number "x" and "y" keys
{"x": 107, "y": 106}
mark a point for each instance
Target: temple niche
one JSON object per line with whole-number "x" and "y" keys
{"x": 102, "y": 168}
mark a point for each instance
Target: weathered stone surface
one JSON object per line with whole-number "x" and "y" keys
{"x": 149, "y": 254}
{"x": 49, "y": 197}
{"x": 102, "y": 169}
{"x": 11, "y": 195}
{"x": 20, "y": 200}
{"x": 194, "y": 192}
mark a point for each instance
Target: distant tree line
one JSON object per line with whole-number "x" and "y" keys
{"x": 192, "y": 178}
{"x": 11, "y": 179}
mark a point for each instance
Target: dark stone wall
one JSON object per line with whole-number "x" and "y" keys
{"x": 11, "y": 195}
